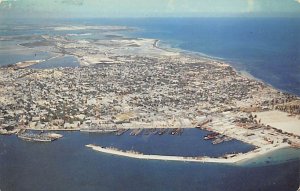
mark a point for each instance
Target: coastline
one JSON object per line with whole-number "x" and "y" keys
{"x": 203, "y": 56}
{"x": 144, "y": 51}
{"x": 228, "y": 138}
{"x": 229, "y": 159}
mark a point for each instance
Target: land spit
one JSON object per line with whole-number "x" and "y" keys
{"x": 227, "y": 159}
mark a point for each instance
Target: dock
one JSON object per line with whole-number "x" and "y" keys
{"x": 136, "y": 132}
{"x": 121, "y": 132}
{"x": 176, "y": 131}
{"x": 41, "y": 137}
{"x": 217, "y": 138}
{"x": 162, "y": 131}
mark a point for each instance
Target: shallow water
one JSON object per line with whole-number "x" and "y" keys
{"x": 62, "y": 61}
{"x": 12, "y": 57}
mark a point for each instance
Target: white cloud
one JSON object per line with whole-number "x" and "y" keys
{"x": 297, "y": 1}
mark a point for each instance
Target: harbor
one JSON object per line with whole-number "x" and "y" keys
{"x": 70, "y": 152}
{"x": 217, "y": 138}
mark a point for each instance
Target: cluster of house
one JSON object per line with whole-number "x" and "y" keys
{"x": 144, "y": 90}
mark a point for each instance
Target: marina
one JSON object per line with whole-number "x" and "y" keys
{"x": 217, "y": 138}
{"x": 70, "y": 151}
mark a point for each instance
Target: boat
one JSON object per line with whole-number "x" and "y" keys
{"x": 35, "y": 137}
{"x": 162, "y": 131}
{"x": 211, "y": 136}
{"x": 42, "y": 137}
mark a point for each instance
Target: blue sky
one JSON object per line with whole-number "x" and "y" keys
{"x": 148, "y": 8}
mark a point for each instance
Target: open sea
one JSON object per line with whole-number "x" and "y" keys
{"x": 267, "y": 48}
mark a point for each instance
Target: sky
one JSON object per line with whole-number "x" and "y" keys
{"x": 147, "y": 8}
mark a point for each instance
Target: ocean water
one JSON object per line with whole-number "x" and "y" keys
{"x": 62, "y": 61}
{"x": 67, "y": 164}
{"x": 190, "y": 143}
{"x": 14, "y": 54}
{"x": 266, "y": 48}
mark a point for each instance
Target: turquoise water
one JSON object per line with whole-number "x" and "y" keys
{"x": 275, "y": 157}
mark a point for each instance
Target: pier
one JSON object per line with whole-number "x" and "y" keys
{"x": 217, "y": 138}
{"x": 136, "y": 132}
{"x": 121, "y": 132}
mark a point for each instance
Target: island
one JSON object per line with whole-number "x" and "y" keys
{"x": 132, "y": 83}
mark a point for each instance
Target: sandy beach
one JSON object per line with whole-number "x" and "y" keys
{"x": 280, "y": 120}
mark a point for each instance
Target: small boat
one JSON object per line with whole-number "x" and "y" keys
{"x": 42, "y": 137}
{"x": 211, "y": 136}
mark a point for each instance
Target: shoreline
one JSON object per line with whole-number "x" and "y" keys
{"x": 26, "y": 64}
{"x": 200, "y": 55}
{"x": 217, "y": 101}
{"x": 228, "y": 159}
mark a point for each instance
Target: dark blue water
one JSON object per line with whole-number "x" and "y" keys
{"x": 267, "y": 48}
{"x": 190, "y": 143}
{"x": 67, "y": 164}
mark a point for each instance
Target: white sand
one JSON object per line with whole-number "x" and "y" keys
{"x": 235, "y": 159}
{"x": 280, "y": 120}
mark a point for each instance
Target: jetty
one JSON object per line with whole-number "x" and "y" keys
{"x": 226, "y": 159}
